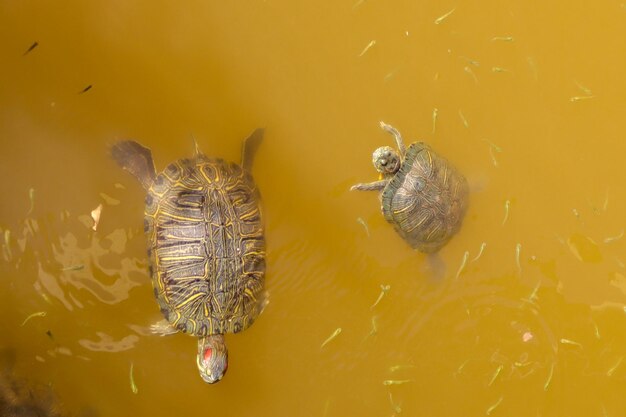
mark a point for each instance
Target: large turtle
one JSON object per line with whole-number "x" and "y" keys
{"x": 206, "y": 246}
{"x": 422, "y": 194}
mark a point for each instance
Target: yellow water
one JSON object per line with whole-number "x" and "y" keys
{"x": 525, "y": 98}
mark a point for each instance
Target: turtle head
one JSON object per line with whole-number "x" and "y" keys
{"x": 212, "y": 358}
{"x": 386, "y": 160}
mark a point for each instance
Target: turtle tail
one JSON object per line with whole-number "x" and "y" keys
{"x": 135, "y": 159}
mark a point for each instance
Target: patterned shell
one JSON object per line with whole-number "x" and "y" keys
{"x": 206, "y": 246}
{"x": 426, "y": 200}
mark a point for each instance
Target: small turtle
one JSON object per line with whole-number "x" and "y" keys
{"x": 206, "y": 246}
{"x": 422, "y": 194}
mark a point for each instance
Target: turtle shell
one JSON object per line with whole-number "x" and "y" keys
{"x": 206, "y": 246}
{"x": 426, "y": 199}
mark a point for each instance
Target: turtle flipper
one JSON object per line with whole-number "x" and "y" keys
{"x": 163, "y": 328}
{"x": 250, "y": 146}
{"x": 370, "y": 186}
{"x": 396, "y": 135}
{"x": 135, "y": 159}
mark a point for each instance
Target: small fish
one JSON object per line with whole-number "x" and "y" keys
{"x": 614, "y": 238}
{"x": 495, "y": 375}
{"x": 507, "y": 206}
{"x": 570, "y": 342}
{"x": 362, "y": 223}
{"x": 463, "y": 263}
{"x": 30, "y": 48}
{"x": 395, "y": 368}
{"x": 463, "y": 119}
{"x": 133, "y": 386}
{"x": 502, "y": 38}
{"x": 611, "y": 371}
{"x": 396, "y": 407}
{"x": 443, "y": 17}
{"x": 331, "y": 337}
{"x": 79, "y": 267}
{"x": 84, "y": 90}
{"x": 549, "y": 379}
{"x": 388, "y": 382}
{"x": 31, "y": 196}
{"x": 470, "y": 72}
{"x": 37, "y": 314}
{"x": 499, "y": 69}
{"x": 369, "y": 45}
{"x": 384, "y": 289}
{"x": 494, "y": 406}
{"x": 579, "y": 98}
{"x": 480, "y": 251}
{"x": 518, "y": 250}
{"x": 435, "y": 112}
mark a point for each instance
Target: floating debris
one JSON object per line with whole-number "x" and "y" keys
{"x": 499, "y": 69}
{"x": 435, "y": 112}
{"x": 119, "y": 186}
{"x": 31, "y": 197}
{"x": 463, "y": 263}
{"x": 596, "y": 329}
{"x": 470, "y": 72}
{"x": 549, "y": 379}
{"x": 389, "y": 382}
{"x": 495, "y": 375}
{"x": 576, "y": 213}
{"x": 494, "y": 406}
{"x": 480, "y": 251}
{"x": 369, "y": 45}
{"x": 95, "y": 215}
{"x": 362, "y": 223}
{"x": 518, "y": 250}
{"x": 37, "y": 314}
{"x": 331, "y": 337}
{"x": 133, "y": 386}
{"x": 611, "y": 371}
{"x": 49, "y": 334}
{"x": 570, "y": 342}
{"x": 502, "y": 38}
{"x": 463, "y": 119}
{"x": 527, "y": 337}
{"x": 507, "y": 206}
{"x": 84, "y": 90}
{"x": 443, "y": 17}
{"x": 614, "y": 238}
{"x": 30, "y": 48}
{"x": 384, "y": 289}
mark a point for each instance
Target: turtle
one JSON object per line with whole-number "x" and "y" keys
{"x": 206, "y": 245}
{"x": 422, "y": 195}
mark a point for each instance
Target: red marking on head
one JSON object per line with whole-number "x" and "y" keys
{"x": 207, "y": 354}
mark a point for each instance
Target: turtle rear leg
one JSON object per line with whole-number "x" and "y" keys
{"x": 163, "y": 328}
{"x": 397, "y": 136}
{"x": 249, "y": 148}
{"x": 370, "y": 186}
{"x": 135, "y": 159}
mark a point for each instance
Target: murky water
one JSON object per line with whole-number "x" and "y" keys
{"x": 525, "y": 98}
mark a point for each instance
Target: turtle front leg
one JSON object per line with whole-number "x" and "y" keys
{"x": 163, "y": 328}
{"x": 393, "y": 131}
{"x": 370, "y": 186}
